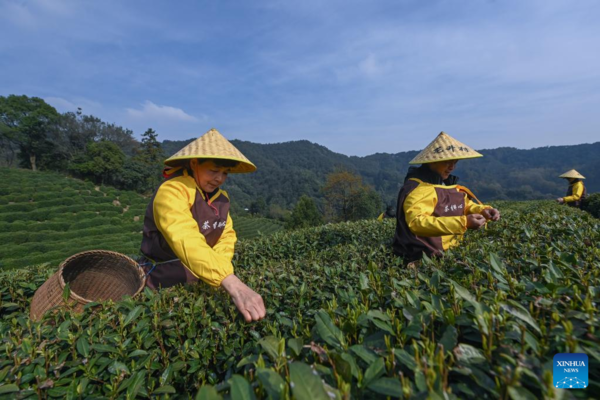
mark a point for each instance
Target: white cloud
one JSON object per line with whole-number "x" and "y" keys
{"x": 61, "y": 104}
{"x": 88, "y": 107}
{"x": 154, "y": 112}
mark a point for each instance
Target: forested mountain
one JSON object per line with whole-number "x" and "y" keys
{"x": 288, "y": 170}
{"x": 34, "y": 135}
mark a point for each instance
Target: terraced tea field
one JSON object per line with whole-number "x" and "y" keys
{"x": 46, "y": 217}
{"x": 345, "y": 320}
{"x": 253, "y": 227}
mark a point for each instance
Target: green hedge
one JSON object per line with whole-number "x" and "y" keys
{"x": 591, "y": 204}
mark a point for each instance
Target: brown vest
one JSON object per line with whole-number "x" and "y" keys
{"x": 211, "y": 219}
{"x": 576, "y": 203}
{"x": 410, "y": 246}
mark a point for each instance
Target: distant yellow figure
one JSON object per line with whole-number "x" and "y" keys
{"x": 576, "y": 192}
{"x": 434, "y": 212}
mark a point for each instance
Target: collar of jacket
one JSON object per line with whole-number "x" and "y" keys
{"x": 423, "y": 173}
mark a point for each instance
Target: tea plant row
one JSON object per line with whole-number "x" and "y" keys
{"x": 346, "y": 319}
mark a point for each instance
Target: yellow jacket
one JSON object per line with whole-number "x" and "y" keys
{"x": 198, "y": 230}
{"x": 431, "y": 217}
{"x": 424, "y": 220}
{"x": 577, "y": 190}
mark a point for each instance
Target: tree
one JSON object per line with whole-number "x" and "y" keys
{"x": 102, "y": 162}
{"x": 151, "y": 156}
{"x": 349, "y": 199}
{"x": 304, "y": 214}
{"x": 27, "y": 121}
{"x": 258, "y": 206}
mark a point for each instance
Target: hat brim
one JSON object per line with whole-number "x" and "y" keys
{"x": 243, "y": 167}
{"x": 414, "y": 161}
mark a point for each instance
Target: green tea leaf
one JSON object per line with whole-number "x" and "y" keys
{"x": 271, "y": 381}
{"x": 342, "y": 367}
{"x": 117, "y": 367}
{"x": 361, "y": 351}
{"x": 133, "y": 315}
{"x": 387, "y": 387}
{"x": 405, "y": 359}
{"x": 10, "y": 388}
{"x": 167, "y": 389}
{"x": 208, "y": 392}
{"x": 449, "y": 338}
{"x": 240, "y": 388}
{"x": 103, "y": 348}
{"x": 363, "y": 281}
{"x": 330, "y": 333}
{"x": 468, "y": 354}
{"x": 83, "y": 347}
{"x": 270, "y": 345}
{"x": 374, "y": 371}
{"x": 521, "y": 313}
{"x": 497, "y": 264}
{"x": 306, "y": 383}
{"x": 462, "y": 292}
{"x": 296, "y": 345}
{"x": 137, "y": 382}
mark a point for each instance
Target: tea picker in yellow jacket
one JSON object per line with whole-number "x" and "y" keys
{"x": 433, "y": 211}
{"x": 576, "y": 191}
{"x": 188, "y": 232}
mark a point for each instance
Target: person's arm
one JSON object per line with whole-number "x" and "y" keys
{"x": 473, "y": 207}
{"x": 488, "y": 212}
{"x": 418, "y": 209}
{"x": 577, "y": 193}
{"x": 226, "y": 244}
{"x": 174, "y": 220}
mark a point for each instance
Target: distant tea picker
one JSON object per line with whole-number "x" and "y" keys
{"x": 188, "y": 232}
{"x": 433, "y": 210}
{"x": 576, "y": 192}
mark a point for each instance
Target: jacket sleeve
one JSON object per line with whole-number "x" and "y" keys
{"x": 473, "y": 207}
{"x": 174, "y": 220}
{"x": 418, "y": 209}
{"x": 226, "y": 244}
{"x": 577, "y": 193}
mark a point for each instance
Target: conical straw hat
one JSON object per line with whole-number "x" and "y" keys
{"x": 212, "y": 145}
{"x": 444, "y": 147}
{"x": 572, "y": 174}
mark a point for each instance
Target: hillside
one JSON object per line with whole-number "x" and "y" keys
{"x": 47, "y": 217}
{"x": 345, "y": 320}
{"x": 288, "y": 170}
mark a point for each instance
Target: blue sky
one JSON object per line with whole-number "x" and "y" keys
{"x": 358, "y": 77}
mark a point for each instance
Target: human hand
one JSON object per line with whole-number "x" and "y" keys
{"x": 475, "y": 221}
{"x": 248, "y": 302}
{"x": 491, "y": 214}
{"x": 560, "y": 200}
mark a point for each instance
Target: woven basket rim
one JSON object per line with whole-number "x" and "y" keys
{"x": 83, "y": 300}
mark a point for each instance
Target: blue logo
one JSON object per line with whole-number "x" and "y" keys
{"x": 570, "y": 371}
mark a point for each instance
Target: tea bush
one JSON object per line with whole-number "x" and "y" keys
{"x": 252, "y": 227}
{"x": 345, "y": 320}
{"x": 591, "y": 204}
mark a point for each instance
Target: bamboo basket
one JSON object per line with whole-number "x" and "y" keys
{"x": 95, "y": 275}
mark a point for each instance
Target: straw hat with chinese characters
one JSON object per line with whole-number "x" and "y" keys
{"x": 212, "y": 145}
{"x": 572, "y": 174}
{"x": 444, "y": 147}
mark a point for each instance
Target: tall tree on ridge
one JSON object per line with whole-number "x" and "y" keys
{"x": 152, "y": 156}
{"x": 27, "y": 121}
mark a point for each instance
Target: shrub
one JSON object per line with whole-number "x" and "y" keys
{"x": 591, "y": 204}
